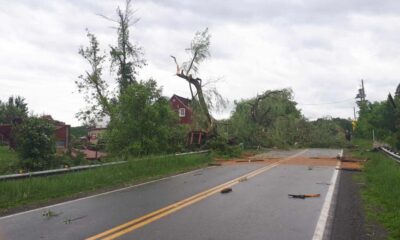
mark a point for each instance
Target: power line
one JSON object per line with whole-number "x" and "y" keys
{"x": 326, "y": 103}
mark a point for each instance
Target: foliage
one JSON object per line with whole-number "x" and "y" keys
{"x": 8, "y": 160}
{"x": 144, "y": 122}
{"x": 80, "y": 131}
{"x": 36, "y": 190}
{"x": 275, "y": 124}
{"x": 15, "y": 107}
{"x": 221, "y": 148}
{"x": 35, "y": 143}
{"x": 273, "y": 120}
{"x": 325, "y": 132}
{"x": 380, "y": 196}
{"x": 381, "y": 117}
{"x": 92, "y": 85}
{"x": 126, "y": 56}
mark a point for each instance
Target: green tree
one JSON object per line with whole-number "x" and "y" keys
{"x": 92, "y": 85}
{"x": 325, "y": 132}
{"x": 35, "y": 143}
{"x": 126, "y": 59}
{"x": 382, "y": 118}
{"x": 270, "y": 119}
{"x": 14, "y": 108}
{"x": 144, "y": 122}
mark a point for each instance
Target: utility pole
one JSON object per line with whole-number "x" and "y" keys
{"x": 361, "y": 93}
{"x": 354, "y": 111}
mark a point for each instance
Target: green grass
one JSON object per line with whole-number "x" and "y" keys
{"x": 38, "y": 190}
{"x": 381, "y": 192}
{"x": 8, "y": 160}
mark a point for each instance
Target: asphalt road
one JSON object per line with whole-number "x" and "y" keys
{"x": 257, "y": 208}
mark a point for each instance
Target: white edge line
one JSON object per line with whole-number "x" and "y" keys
{"x": 323, "y": 217}
{"x": 100, "y": 194}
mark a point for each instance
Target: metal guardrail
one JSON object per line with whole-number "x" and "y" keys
{"x": 55, "y": 171}
{"x": 72, "y": 169}
{"x": 189, "y": 153}
{"x": 391, "y": 153}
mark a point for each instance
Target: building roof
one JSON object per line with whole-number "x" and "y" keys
{"x": 50, "y": 119}
{"x": 185, "y": 101}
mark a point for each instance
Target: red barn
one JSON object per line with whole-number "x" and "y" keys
{"x": 6, "y": 135}
{"x": 181, "y": 105}
{"x": 62, "y": 134}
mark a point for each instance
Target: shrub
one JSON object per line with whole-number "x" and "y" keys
{"x": 35, "y": 144}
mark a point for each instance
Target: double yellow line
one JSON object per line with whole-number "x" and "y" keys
{"x": 153, "y": 216}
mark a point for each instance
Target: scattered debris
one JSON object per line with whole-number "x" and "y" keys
{"x": 242, "y": 161}
{"x": 257, "y": 160}
{"x": 49, "y": 214}
{"x": 310, "y": 168}
{"x": 351, "y": 169}
{"x": 214, "y": 164}
{"x": 69, "y": 220}
{"x": 243, "y": 179}
{"x": 303, "y": 196}
{"x": 226, "y": 190}
{"x": 323, "y": 183}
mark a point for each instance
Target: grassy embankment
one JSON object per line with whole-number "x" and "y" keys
{"x": 17, "y": 193}
{"x": 8, "y": 160}
{"x": 381, "y": 189}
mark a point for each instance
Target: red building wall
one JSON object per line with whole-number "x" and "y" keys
{"x": 6, "y": 136}
{"x": 179, "y": 102}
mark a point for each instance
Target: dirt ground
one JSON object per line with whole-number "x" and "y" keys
{"x": 346, "y": 163}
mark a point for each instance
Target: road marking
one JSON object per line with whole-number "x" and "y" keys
{"x": 101, "y": 194}
{"x": 323, "y": 217}
{"x": 153, "y": 216}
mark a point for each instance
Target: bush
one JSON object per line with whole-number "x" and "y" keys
{"x": 219, "y": 145}
{"x": 35, "y": 144}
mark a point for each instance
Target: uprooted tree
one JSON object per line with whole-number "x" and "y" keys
{"x": 199, "y": 51}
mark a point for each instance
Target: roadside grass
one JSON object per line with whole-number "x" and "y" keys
{"x": 8, "y": 160}
{"x": 17, "y": 193}
{"x": 381, "y": 190}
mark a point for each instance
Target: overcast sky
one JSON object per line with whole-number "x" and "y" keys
{"x": 320, "y": 49}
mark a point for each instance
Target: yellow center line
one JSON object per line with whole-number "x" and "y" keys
{"x": 153, "y": 216}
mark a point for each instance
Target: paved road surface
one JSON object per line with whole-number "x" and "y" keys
{"x": 257, "y": 208}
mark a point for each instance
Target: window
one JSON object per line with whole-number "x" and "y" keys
{"x": 182, "y": 112}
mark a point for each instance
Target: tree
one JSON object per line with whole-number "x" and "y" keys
{"x": 270, "y": 119}
{"x": 92, "y": 84}
{"x": 14, "y": 108}
{"x": 144, "y": 122}
{"x": 126, "y": 58}
{"x": 35, "y": 143}
{"x": 199, "y": 51}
